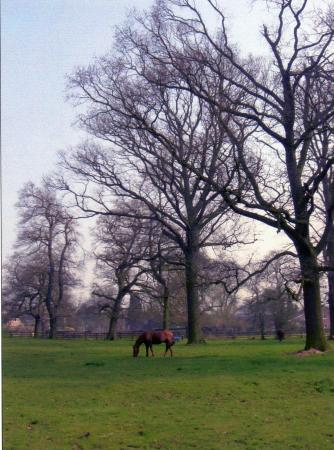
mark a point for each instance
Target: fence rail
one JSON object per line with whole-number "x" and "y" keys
{"x": 87, "y": 334}
{"x": 180, "y": 333}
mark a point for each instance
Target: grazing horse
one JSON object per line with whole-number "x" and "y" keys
{"x": 154, "y": 337}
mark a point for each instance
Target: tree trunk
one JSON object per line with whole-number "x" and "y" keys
{"x": 166, "y": 312}
{"x": 53, "y": 325}
{"x": 329, "y": 260}
{"x": 315, "y": 336}
{"x": 49, "y": 301}
{"x": 43, "y": 330}
{"x": 191, "y": 274}
{"x": 36, "y": 325}
{"x": 112, "y": 335}
{"x": 61, "y": 268}
{"x": 330, "y": 277}
{"x": 328, "y": 191}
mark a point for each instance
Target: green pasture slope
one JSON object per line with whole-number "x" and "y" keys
{"x": 85, "y": 395}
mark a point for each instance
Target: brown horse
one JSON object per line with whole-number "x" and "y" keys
{"x": 154, "y": 337}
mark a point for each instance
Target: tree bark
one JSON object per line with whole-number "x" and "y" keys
{"x": 329, "y": 260}
{"x": 53, "y": 325}
{"x": 330, "y": 277}
{"x": 112, "y": 331}
{"x": 315, "y": 336}
{"x": 191, "y": 275}
{"x": 111, "y": 335}
{"x": 61, "y": 267}
{"x": 51, "y": 275}
{"x": 36, "y": 325}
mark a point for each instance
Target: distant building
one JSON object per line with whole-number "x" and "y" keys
{"x": 15, "y": 325}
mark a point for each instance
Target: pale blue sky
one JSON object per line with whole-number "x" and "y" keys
{"x": 42, "y": 41}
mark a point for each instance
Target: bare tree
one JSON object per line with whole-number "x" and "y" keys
{"x": 322, "y": 170}
{"x": 121, "y": 248}
{"x": 148, "y": 131}
{"x": 272, "y": 303}
{"x": 88, "y": 316}
{"x": 268, "y": 109}
{"x": 257, "y": 309}
{"x": 24, "y": 287}
{"x": 165, "y": 257}
{"x": 46, "y": 228}
{"x": 323, "y": 147}
{"x": 218, "y": 308}
{"x": 283, "y": 300}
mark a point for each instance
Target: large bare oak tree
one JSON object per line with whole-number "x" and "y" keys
{"x": 145, "y": 131}
{"x": 268, "y": 107}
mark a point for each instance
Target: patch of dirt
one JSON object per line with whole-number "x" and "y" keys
{"x": 310, "y": 352}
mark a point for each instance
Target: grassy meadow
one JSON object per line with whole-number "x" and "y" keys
{"x": 226, "y": 394}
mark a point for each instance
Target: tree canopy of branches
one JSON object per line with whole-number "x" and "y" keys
{"x": 48, "y": 233}
{"x": 273, "y": 301}
{"x": 146, "y": 131}
{"x": 267, "y": 112}
{"x": 24, "y": 287}
{"x": 121, "y": 248}
{"x": 163, "y": 258}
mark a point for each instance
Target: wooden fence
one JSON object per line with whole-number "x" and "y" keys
{"x": 180, "y": 333}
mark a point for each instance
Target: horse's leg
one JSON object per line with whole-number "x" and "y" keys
{"x": 151, "y": 349}
{"x": 166, "y": 349}
{"x": 171, "y": 351}
{"x": 146, "y": 345}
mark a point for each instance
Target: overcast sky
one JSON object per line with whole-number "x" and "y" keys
{"x": 42, "y": 41}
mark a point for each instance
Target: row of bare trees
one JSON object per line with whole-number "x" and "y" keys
{"x": 138, "y": 275}
{"x": 40, "y": 273}
{"x": 188, "y": 136}
{"x": 135, "y": 262}
{"x": 193, "y": 130}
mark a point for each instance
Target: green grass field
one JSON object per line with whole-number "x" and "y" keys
{"x": 240, "y": 394}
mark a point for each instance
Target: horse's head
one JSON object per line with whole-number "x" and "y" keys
{"x": 135, "y": 351}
